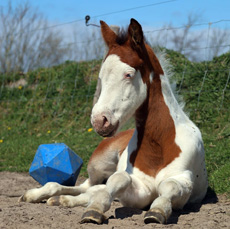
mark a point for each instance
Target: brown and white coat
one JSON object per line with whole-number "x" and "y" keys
{"x": 160, "y": 163}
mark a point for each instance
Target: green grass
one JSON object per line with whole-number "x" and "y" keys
{"x": 56, "y": 103}
{"x": 55, "y": 106}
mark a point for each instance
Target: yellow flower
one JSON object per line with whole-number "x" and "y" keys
{"x": 9, "y": 128}
{"x": 1, "y": 140}
{"x": 48, "y": 132}
{"x": 90, "y": 129}
{"x": 20, "y": 87}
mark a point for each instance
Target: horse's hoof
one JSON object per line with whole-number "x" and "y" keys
{"x": 21, "y": 199}
{"x": 25, "y": 198}
{"x": 54, "y": 201}
{"x": 154, "y": 216}
{"x": 92, "y": 216}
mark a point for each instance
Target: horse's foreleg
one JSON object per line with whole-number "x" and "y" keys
{"x": 101, "y": 200}
{"x": 50, "y": 189}
{"x": 173, "y": 194}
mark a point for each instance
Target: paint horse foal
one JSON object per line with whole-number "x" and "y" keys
{"x": 160, "y": 163}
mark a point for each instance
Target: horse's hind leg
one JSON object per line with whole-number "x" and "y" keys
{"x": 102, "y": 164}
{"x": 99, "y": 169}
{"x": 96, "y": 176}
{"x": 97, "y": 198}
{"x": 36, "y": 195}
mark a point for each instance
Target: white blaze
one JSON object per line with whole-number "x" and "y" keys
{"x": 120, "y": 95}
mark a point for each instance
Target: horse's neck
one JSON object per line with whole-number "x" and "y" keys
{"x": 153, "y": 119}
{"x": 156, "y": 130}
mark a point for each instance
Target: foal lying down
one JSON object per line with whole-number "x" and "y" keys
{"x": 160, "y": 163}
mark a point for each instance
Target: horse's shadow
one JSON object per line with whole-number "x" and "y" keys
{"x": 126, "y": 212}
{"x": 211, "y": 197}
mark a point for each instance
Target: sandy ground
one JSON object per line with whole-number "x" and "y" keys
{"x": 211, "y": 214}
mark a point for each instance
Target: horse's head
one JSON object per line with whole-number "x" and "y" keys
{"x": 126, "y": 73}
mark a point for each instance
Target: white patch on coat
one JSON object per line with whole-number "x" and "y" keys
{"x": 124, "y": 161}
{"x": 151, "y": 77}
{"x": 189, "y": 139}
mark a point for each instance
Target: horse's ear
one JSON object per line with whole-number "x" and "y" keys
{"x": 108, "y": 34}
{"x": 135, "y": 33}
{"x": 136, "y": 38}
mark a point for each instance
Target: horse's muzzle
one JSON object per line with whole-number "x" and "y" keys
{"x": 103, "y": 126}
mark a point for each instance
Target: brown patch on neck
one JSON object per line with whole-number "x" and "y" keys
{"x": 156, "y": 147}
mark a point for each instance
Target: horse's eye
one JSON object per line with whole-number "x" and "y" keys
{"x": 128, "y": 75}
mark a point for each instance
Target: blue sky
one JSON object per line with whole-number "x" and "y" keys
{"x": 164, "y": 12}
{"x": 153, "y": 15}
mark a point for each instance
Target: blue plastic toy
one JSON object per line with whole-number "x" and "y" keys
{"x": 56, "y": 163}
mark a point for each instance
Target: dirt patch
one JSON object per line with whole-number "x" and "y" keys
{"x": 212, "y": 214}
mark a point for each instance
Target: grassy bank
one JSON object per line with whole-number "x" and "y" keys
{"x": 54, "y": 105}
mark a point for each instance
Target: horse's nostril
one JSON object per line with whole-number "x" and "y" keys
{"x": 105, "y": 122}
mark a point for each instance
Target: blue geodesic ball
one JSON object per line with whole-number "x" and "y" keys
{"x": 55, "y": 163}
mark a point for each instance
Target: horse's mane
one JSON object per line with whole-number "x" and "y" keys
{"x": 169, "y": 72}
{"x": 122, "y": 36}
